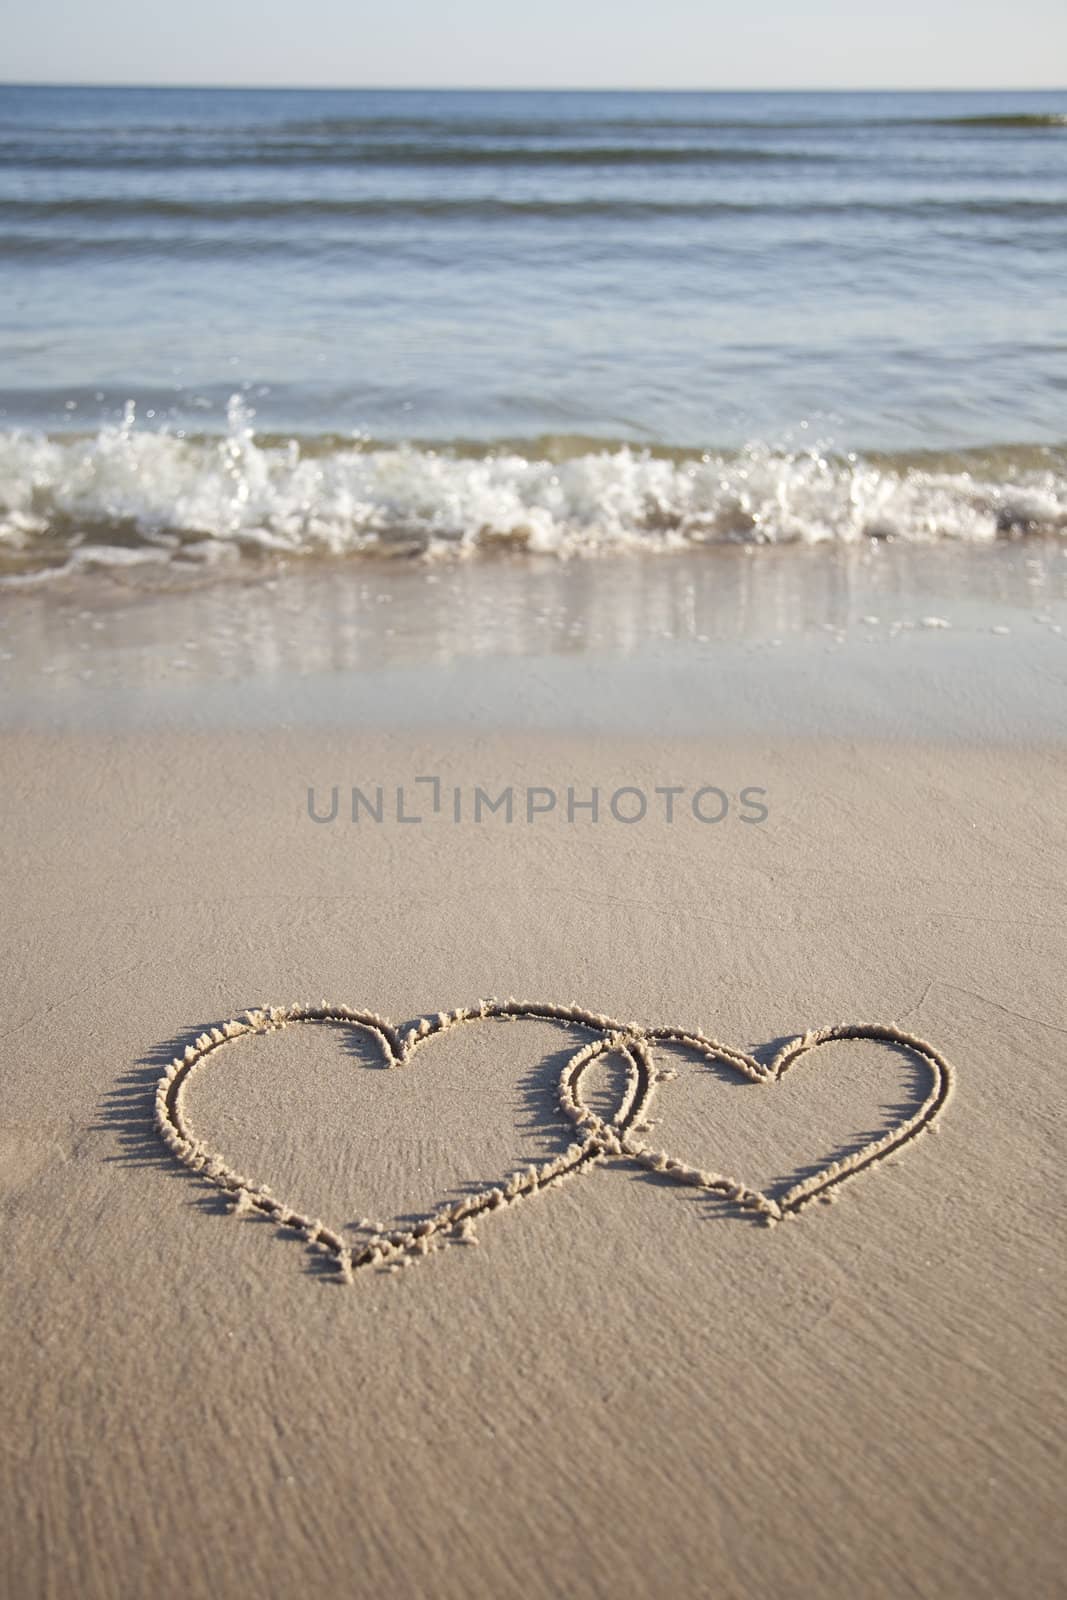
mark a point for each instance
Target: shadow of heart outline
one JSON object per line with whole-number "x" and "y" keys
{"x": 831, "y": 1174}
{"x": 393, "y": 1247}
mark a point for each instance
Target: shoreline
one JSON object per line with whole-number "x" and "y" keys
{"x": 821, "y": 640}
{"x": 169, "y": 506}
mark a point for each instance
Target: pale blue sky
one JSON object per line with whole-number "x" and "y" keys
{"x": 565, "y": 43}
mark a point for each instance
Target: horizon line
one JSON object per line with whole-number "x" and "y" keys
{"x": 504, "y": 88}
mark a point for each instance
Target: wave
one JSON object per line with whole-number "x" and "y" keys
{"x": 429, "y": 154}
{"x": 537, "y": 143}
{"x": 392, "y": 131}
{"x": 128, "y": 496}
{"x": 503, "y": 128}
{"x": 1007, "y": 119}
{"x": 119, "y": 208}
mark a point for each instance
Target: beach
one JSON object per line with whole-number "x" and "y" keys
{"x": 620, "y": 1384}
{"x": 533, "y": 846}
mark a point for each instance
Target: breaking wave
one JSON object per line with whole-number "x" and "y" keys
{"x": 137, "y": 496}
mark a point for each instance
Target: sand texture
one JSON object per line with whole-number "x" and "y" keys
{"x": 494, "y": 1348}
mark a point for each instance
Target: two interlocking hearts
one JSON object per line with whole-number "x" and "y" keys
{"x": 598, "y": 1138}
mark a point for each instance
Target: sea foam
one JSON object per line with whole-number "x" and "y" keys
{"x": 130, "y": 495}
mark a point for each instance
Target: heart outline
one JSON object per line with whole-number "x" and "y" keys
{"x": 394, "y": 1247}
{"x": 829, "y": 1175}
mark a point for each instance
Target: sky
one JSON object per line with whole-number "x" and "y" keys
{"x": 728, "y": 44}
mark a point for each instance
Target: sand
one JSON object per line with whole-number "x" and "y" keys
{"x": 615, "y": 1384}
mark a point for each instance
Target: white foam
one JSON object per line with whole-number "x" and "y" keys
{"x": 129, "y": 494}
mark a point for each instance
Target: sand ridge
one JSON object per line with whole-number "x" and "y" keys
{"x": 600, "y": 1138}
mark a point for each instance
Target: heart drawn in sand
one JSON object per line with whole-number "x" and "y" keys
{"x": 394, "y": 1247}
{"x": 828, "y": 1176}
{"x": 598, "y": 1138}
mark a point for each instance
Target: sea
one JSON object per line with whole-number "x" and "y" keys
{"x": 245, "y": 325}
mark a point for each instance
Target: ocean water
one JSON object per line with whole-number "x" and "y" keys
{"x": 275, "y": 323}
